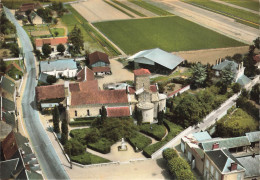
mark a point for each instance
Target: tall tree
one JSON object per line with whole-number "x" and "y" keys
{"x": 65, "y": 131}
{"x": 103, "y": 114}
{"x": 199, "y": 75}
{"x": 46, "y": 50}
{"x": 139, "y": 117}
{"x": 61, "y": 48}
{"x": 255, "y": 93}
{"x": 227, "y": 76}
{"x": 56, "y": 119}
{"x": 76, "y": 39}
{"x": 2, "y": 66}
{"x": 160, "y": 117}
{"x": 257, "y": 42}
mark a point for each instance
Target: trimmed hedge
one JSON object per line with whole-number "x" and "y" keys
{"x": 102, "y": 145}
{"x": 140, "y": 141}
{"x": 80, "y": 123}
{"x": 80, "y": 134}
{"x": 173, "y": 131}
{"x": 169, "y": 153}
{"x": 88, "y": 158}
{"x": 157, "y": 131}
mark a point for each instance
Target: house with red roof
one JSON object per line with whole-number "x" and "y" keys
{"x": 99, "y": 63}
{"x": 53, "y": 42}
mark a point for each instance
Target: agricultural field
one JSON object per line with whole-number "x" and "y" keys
{"x": 168, "y": 33}
{"x": 249, "y": 4}
{"x": 241, "y": 16}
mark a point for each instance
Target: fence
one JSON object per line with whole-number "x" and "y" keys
{"x": 13, "y": 59}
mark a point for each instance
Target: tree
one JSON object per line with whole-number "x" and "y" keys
{"x": 65, "y": 131}
{"x": 73, "y": 147}
{"x": 103, "y": 114}
{"x": 238, "y": 58}
{"x": 139, "y": 117}
{"x": 93, "y": 136}
{"x": 2, "y": 66}
{"x": 236, "y": 87}
{"x": 51, "y": 79}
{"x": 245, "y": 93}
{"x": 56, "y": 119}
{"x": 227, "y": 76}
{"x": 46, "y": 49}
{"x": 160, "y": 117}
{"x": 14, "y": 49}
{"x": 76, "y": 39}
{"x": 55, "y": 21}
{"x": 38, "y": 54}
{"x": 25, "y": 21}
{"x": 257, "y": 42}
{"x": 169, "y": 153}
{"x": 199, "y": 75}
{"x": 160, "y": 87}
{"x": 255, "y": 93}
{"x": 56, "y": 33}
{"x": 210, "y": 75}
{"x": 61, "y": 48}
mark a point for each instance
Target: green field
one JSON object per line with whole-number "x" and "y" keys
{"x": 167, "y": 33}
{"x": 244, "y": 17}
{"x": 61, "y": 31}
{"x": 249, "y": 4}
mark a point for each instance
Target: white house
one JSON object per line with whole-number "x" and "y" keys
{"x": 59, "y": 68}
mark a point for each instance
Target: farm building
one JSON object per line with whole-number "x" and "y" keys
{"x": 99, "y": 63}
{"x": 156, "y": 60}
{"x": 59, "y": 68}
{"x": 53, "y": 42}
{"x": 237, "y": 69}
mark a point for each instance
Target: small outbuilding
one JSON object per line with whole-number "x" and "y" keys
{"x": 99, "y": 63}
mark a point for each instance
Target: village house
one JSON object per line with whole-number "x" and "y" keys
{"x": 53, "y": 42}
{"x": 221, "y": 158}
{"x": 59, "y": 68}
{"x": 156, "y": 60}
{"x": 99, "y": 63}
{"x": 28, "y": 7}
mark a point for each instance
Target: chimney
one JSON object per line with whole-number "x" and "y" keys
{"x": 233, "y": 166}
{"x": 215, "y": 146}
{"x": 253, "y": 155}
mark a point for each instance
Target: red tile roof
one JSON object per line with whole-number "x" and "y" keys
{"x": 50, "y": 92}
{"x": 257, "y": 58}
{"x": 141, "y": 72}
{"x": 99, "y": 97}
{"x": 118, "y": 111}
{"x": 98, "y": 56}
{"x": 30, "y": 6}
{"x": 9, "y": 146}
{"x": 153, "y": 88}
{"x": 101, "y": 69}
{"x": 89, "y": 75}
{"x": 52, "y": 41}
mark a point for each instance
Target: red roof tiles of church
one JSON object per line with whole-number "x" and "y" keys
{"x": 140, "y": 72}
{"x": 118, "y": 111}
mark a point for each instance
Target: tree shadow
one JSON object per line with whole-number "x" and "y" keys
{"x": 162, "y": 164}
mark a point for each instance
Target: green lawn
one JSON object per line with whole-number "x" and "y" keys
{"x": 249, "y": 4}
{"x": 154, "y": 130}
{"x": 61, "y": 31}
{"x": 167, "y": 33}
{"x": 88, "y": 158}
{"x": 228, "y": 11}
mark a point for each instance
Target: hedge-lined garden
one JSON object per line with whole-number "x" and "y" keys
{"x": 139, "y": 141}
{"x": 173, "y": 130}
{"x": 88, "y": 158}
{"x": 178, "y": 167}
{"x": 154, "y": 130}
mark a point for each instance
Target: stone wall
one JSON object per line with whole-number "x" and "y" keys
{"x": 142, "y": 81}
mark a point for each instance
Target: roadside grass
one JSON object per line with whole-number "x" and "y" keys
{"x": 94, "y": 40}
{"x": 173, "y": 129}
{"x": 249, "y": 4}
{"x": 139, "y": 141}
{"x": 88, "y": 158}
{"x": 128, "y": 8}
{"x": 154, "y": 130}
{"x": 168, "y": 33}
{"x": 61, "y": 31}
{"x": 118, "y": 8}
{"x": 150, "y": 7}
{"x": 237, "y": 14}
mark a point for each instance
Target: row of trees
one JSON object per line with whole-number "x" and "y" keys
{"x": 6, "y": 26}
{"x": 177, "y": 166}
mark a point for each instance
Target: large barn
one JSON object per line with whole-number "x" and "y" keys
{"x": 156, "y": 60}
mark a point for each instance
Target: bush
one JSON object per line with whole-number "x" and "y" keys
{"x": 102, "y": 145}
{"x": 51, "y": 79}
{"x": 92, "y": 136}
{"x": 74, "y": 148}
{"x": 236, "y": 87}
{"x": 139, "y": 141}
{"x": 173, "y": 131}
{"x": 154, "y": 130}
{"x": 88, "y": 158}
{"x": 80, "y": 134}
{"x": 169, "y": 154}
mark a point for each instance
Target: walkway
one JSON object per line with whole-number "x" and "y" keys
{"x": 41, "y": 144}
{"x": 236, "y": 6}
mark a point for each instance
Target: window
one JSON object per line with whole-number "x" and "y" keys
{"x": 76, "y": 113}
{"x": 88, "y": 112}
{"x": 207, "y": 163}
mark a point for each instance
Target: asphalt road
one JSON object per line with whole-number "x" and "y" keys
{"x": 219, "y": 23}
{"x": 50, "y": 164}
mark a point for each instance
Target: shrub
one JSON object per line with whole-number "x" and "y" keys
{"x": 236, "y": 87}
{"x": 180, "y": 168}
{"x": 80, "y": 134}
{"x": 102, "y": 145}
{"x": 51, "y": 79}
{"x": 139, "y": 141}
{"x": 92, "y": 136}
{"x": 154, "y": 130}
{"x": 74, "y": 148}
{"x": 169, "y": 154}
{"x": 88, "y": 158}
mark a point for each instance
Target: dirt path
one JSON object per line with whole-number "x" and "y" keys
{"x": 210, "y": 55}
{"x": 235, "y": 6}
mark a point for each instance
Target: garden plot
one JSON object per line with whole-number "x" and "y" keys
{"x": 98, "y": 10}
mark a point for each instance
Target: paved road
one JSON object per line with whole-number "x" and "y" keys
{"x": 219, "y": 23}
{"x": 49, "y": 161}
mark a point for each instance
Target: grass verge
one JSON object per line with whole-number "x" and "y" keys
{"x": 123, "y": 11}
{"x": 88, "y": 158}
{"x": 128, "y": 8}
{"x": 151, "y": 8}
{"x": 168, "y": 33}
{"x": 173, "y": 129}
